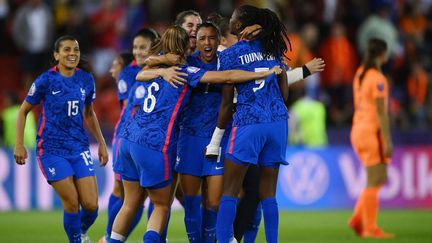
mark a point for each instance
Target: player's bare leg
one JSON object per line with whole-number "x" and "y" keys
{"x": 134, "y": 196}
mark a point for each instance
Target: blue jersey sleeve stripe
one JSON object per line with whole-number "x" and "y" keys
{"x": 169, "y": 130}
{"x": 40, "y": 131}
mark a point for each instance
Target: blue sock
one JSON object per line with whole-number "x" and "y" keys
{"x": 136, "y": 219}
{"x": 114, "y": 205}
{"x": 87, "y": 219}
{"x": 225, "y": 218}
{"x": 271, "y": 219}
{"x": 192, "y": 217}
{"x": 114, "y": 241}
{"x": 165, "y": 231}
{"x": 209, "y": 225}
{"x": 150, "y": 210}
{"x": 151, "y": 237}
{"x": 251, "y": 230}
{"x": 71, "y": 224}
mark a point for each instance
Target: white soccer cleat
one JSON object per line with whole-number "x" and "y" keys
{"x": 212, "y": 152}
{"x": 85, "y": 238}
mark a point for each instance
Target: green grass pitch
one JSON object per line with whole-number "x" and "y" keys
{"x": 312, "y": 226}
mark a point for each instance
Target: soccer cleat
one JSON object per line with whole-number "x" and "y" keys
{"x": 376, "y": 234}
{"x": 356, "y": 226}
{"x": 85, "y": 238}
{"x": 211, "y": 151}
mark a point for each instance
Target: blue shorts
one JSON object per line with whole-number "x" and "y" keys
{"x": 150, "y": 167}
{"x": 56, "y": 168}
{"x": 262, "y": 144}
{"x": 190, "y": 156}
{"x": 116, "y": 158}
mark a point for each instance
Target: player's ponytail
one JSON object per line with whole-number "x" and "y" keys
{"x": 376, "y": 47}
{"x": 175, "y": 40}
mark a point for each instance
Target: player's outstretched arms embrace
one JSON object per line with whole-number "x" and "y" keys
{"x": 172, "y": 75}
{"x": 237, "y": 76}
{"x": 168, "y": 59}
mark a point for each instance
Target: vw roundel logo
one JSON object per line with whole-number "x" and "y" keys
{"x": 306, "y": 179}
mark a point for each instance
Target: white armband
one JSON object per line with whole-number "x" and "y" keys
{"x": 294, "y": 75}
{"x": 217, "y": 137}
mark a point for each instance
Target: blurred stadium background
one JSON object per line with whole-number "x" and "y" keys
{"x": 320, "y": 186}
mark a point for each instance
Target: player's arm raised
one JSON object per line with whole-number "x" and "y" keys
{"x": 299, "y": 73}
{"x": 94, "y": 128}
{"x": 20, "y": 152}
{"x": 236, "y": 76}
{"x": 172, "y": 75}
{"x": 167, "y": 59}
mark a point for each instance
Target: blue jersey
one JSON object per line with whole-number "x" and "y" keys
{"x": 155, "y": 124}
{"x": 199, "y": 117}
{"x": 126, "y": 80}
{"x": 136, "y": 98}
{"x": 258, "y": 101}
{"x": 60, "y": 126}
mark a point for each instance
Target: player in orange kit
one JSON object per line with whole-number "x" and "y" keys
{"x": 370, "y": 137}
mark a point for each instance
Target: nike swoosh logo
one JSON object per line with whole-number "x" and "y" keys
{"x": 219, "y": 168}
{"x": 91, "y": 169}
{"x": 56, "y": 92}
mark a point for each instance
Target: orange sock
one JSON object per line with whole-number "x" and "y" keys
{"x": 355, "y": 222}
{"x": 357, "y": 215}
{"x": 370, "y": 208}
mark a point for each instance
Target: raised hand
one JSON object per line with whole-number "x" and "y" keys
{"x": 315, "y": 65}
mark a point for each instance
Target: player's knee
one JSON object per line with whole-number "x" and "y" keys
{"x": 118, "y": 190}
{"x": 90, "y": 205}
{"x": 266, "y": 194}
{"x": 162, "y": 208}
{"x": 212, "y": 203}
{"x": 71, "y": 206}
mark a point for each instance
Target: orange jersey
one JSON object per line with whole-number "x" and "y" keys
{"x": 365, "y": 133}
{"x": 374, "y": 85}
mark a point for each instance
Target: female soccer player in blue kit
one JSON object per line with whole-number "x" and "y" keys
{"x": 148, "y": 140}
{"x": 259, "y": 133}
{"x": 196, "y": 127}
{"x": 66, "y": 94}
{"x": 142, "y": 42}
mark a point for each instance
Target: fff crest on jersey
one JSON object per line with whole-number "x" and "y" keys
{"x": 32, "y": 90}
{"x": 83, "y": 95}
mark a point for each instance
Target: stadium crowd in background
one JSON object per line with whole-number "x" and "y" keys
{"x": 334, "y": 30}
{"x": 339, "y": 33}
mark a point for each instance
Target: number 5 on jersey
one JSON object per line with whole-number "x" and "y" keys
{"x": 150, "y": 100}
{"x": 260, "y": 82}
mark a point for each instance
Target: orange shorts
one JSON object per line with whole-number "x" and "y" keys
{"x": 368, "y": 146}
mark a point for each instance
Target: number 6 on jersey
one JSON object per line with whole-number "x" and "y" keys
{"x": 154, "y": 87}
